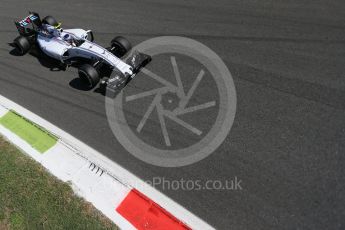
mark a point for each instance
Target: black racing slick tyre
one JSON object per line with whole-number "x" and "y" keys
{"x": 50, "y": 21}
{"x": 89, "y": 75}
{"x": 120, "y": 46}
{"x": 22, "y": 45}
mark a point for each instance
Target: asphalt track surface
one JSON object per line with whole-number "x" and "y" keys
{"x": 287, "y": 142}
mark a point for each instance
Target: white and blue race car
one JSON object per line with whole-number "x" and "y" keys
{"x": 76, "y": 47}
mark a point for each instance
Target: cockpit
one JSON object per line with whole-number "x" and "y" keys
{"x": 72, "y": 40}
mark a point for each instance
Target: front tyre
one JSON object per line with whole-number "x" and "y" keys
{"x": 89, "y": 75}
{"x": 22, "y": 45}
{"x": 50, "y": 21}
{"x": 120, "y": 46}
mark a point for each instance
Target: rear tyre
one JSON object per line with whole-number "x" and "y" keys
{"x": 50, "y": 21}
{"x": 89, "y": 75}
{"x": 22, "y": 45}
{"x": 120, "y": 46}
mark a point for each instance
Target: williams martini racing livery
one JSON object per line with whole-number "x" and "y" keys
{"x": 76, "y": 47}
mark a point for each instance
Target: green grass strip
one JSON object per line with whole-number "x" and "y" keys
{"x": 39, "y": 138}
{"x": 31, "y": 198}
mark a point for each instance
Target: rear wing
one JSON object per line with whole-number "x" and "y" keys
{"x": 29, "y": 24}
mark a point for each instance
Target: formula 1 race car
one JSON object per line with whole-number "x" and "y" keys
{"x": 75, "y": 47}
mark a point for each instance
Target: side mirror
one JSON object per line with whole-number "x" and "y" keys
{"x": 89, "y": 35}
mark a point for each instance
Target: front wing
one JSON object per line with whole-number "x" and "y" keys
{"x": 118, "y": 81}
